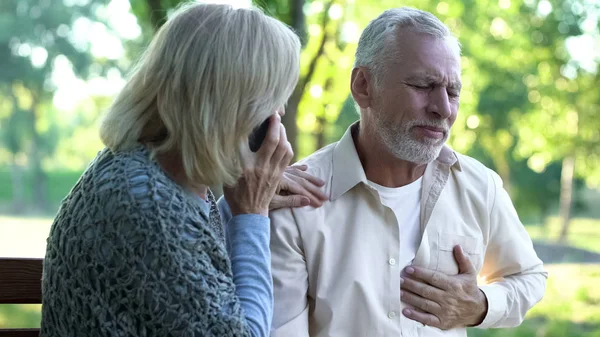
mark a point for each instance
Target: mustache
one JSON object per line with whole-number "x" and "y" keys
{"x": 429, "y": 123}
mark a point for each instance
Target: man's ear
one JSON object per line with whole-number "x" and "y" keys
{"x": 361, "y": 87}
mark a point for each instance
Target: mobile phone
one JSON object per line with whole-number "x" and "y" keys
{"x": 257, "y": 137}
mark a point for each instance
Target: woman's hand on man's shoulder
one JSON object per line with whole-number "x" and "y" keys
{"x": 298, "y": 188}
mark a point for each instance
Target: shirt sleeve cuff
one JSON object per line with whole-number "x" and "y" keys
{"x": 248, "y": 222}
{"x": 496, "y": 299}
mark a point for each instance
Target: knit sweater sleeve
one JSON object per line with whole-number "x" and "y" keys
{"x": 168, "y": 281}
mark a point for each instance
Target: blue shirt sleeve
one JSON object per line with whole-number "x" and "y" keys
{"x": 248, "y": 238}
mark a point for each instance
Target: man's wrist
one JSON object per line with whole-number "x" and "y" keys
{"x": 483, "y": 309}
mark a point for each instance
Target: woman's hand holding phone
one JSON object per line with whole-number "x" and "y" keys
{"x": 262, "y": 172}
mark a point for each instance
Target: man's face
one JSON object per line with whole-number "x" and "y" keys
{"x": 417, "y": 99}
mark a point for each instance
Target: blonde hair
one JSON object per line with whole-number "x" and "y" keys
{"x": 210, "y": 75}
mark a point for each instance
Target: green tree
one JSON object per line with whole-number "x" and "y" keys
{"x": 562, "y": 125}
{"x": 34, "y": 35}
{"x": 152, "y": 14}
{"x": 514, "y": 60}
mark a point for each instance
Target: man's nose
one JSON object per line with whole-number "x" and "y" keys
{"x": 439, "y": 103}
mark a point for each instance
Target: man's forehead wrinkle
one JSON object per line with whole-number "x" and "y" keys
{"x": 436, "y": 77}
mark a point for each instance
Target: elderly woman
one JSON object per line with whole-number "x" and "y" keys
{"x": 137, "y": 247}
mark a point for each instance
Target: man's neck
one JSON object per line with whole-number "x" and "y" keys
{"x": 381, "y": 166}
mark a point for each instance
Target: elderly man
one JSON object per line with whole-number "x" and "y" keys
{"x": 410, "y": 226}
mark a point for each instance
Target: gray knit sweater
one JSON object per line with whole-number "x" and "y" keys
{"x": 130, "y": 253}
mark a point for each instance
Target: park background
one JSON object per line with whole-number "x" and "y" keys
{"x": 529, "y": 110}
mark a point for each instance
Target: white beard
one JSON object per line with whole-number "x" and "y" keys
{"x": 399, "y": 141}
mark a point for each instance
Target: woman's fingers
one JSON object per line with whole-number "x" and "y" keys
{"x": 301, "y": 167}
{"x": 307, "y": 176}
{"x": 272, "y": 139}
{"x": 279, "y": 152}
{"x": 296, "y": 181}
{"x": 287, "y": 201}
{"x": 306, "y": 188}
{"x": 283, "y": 153}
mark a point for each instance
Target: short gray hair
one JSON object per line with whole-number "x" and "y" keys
{"x": 372, "y": 51}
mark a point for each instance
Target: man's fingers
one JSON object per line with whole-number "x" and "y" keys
{"x": 464, "y": 264}
{"x": 424, "y": 290}
{"x": 435, "y": 278}
{"x": 417, "y": 301}
{"x": 422, "y": 317}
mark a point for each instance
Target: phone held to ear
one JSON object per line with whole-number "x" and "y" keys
{"x": 257, "y": 137}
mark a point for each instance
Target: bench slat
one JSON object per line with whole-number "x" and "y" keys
{"x": 20, "y": 282}
{"x": 19, "y": 332}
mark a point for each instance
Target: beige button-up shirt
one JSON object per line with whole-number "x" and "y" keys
{"x": 334, "y": 267}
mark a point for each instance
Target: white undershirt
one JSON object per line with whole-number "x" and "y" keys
{"x": 405, "y": 202}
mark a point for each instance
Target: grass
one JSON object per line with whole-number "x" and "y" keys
{"x": 571, "y": 306}
{"x": 584, "y": 233}
{"x": 572, "y": 294}
{"x": 59, "y": 185}
{"x": 20, "y": 315}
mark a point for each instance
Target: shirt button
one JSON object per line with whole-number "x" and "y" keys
{"x": 392, "y": 261}
{"x": 391, "y": 314}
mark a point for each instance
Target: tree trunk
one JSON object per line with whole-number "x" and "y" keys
{"x": 503, "y": 170}
{"x": 289, "y": 119}
{"x": 18, "y": 187}
{"x": 40, "y": 189}
{"x": 157, "y": 14}
{"x": 320, "y": 133}
{"x": 298, "y": 20}
{"x": 566, "y": 196}
{"x": 291, "y": 111}
{"x": 321, "y": 120}
{"x": 291, "y": 114}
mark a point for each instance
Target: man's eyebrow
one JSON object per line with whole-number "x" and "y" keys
{"x": 423, "y": 77}
{"x": 456, "y": 85}
{"x": 432, "y": 78}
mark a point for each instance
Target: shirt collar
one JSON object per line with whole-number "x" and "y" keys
{"x": 347, "y": 168}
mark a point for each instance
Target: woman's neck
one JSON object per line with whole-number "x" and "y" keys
{"x": 172, "y": 164}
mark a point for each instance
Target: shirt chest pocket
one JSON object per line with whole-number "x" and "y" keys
{"x": 443, "y": 252}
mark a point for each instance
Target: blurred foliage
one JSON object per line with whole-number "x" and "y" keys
{"x": 35, "y": 39}
{"x": 527, "y": 102}
{"x": 585, "y": 233}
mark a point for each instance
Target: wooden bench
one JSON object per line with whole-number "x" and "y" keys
{"x": 20, "y": 283}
